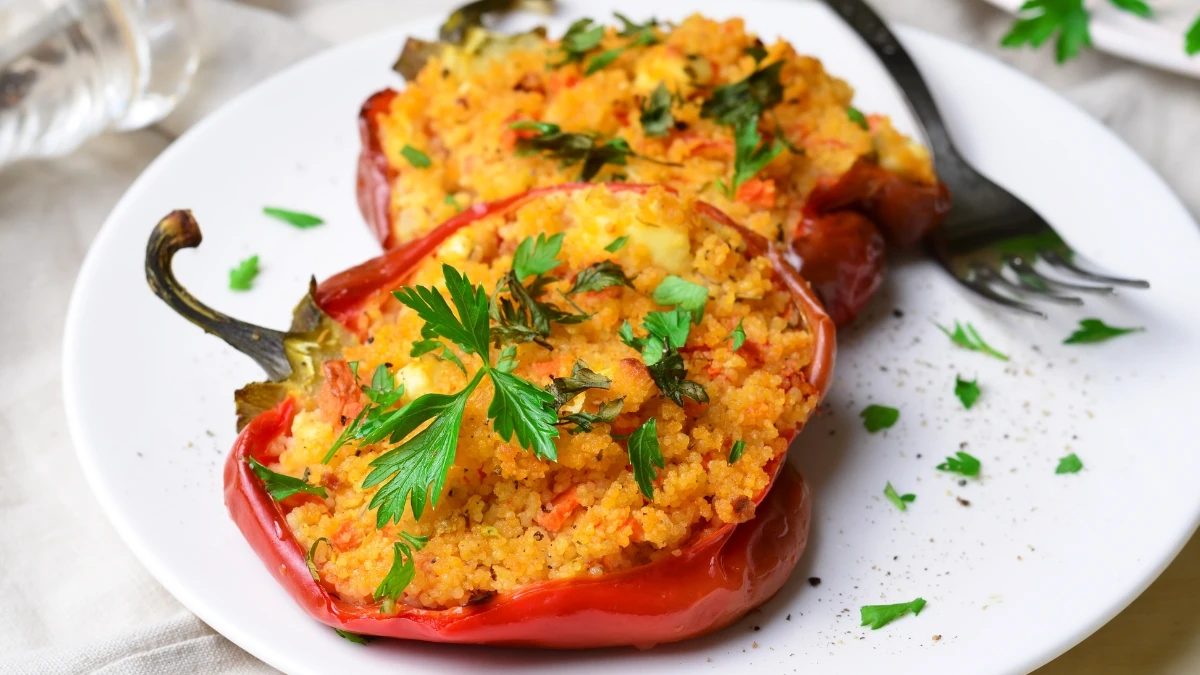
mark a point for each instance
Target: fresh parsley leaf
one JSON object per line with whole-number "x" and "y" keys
{"x": 507, "y": 361}
{"x": 402, "y": 571}
{"x": 901, "y": 501}
{"x": 415, "y": 157}
{"x": 738, "y": 336}
{"x": 616, "y": 244}
{"x": 281, "y": 486}
{"x": 644, "y": 455}
{"x": 878, "y": 616}
{"x": 311, "y": 559}
{"x": 672, "y": 326}
{"x": 969, "y": 339}
{"x": 584, "y": 421}
{"x": 519, "y": 406}
{"x": 470, "y": 329}
{"x": 415, "y": 471}
{"x": 353, "y": 369}
{"x": 961, "y": 463}
{"x": 686, "y": 295}
{"x": 656, "y": 118}
{"x": 1137, "y": 7}
{"x": 581, "y": 37}
{"x": 565, "y": 389}
{"x": 353, "y": 637}
{"x": 1095, "y": 330}
{"x": 750, "y": 153}
{"x": 599, "y": 276}
{"x": 1069, "y": 18}
{"x": 735, "y": 453}
{"x": 537, "y": 256}
{"x": 746, "y": 99}
{"x": 876, "y": 417}
{"x": 756, "y": 51}
{"x": 453, "y": 202}
{"x": 857, "y": 117}
{"x": 602, "y": 60}
{"x": 241, "y": 277}
{"x": 1191, "y": 41}
{"x": 1069, "y": 464}
{"x": 293, "y": 218}
{"x": 966, "y": 391}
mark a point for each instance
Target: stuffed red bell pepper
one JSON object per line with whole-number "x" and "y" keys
{"x": 758, "y": 130}
{"x": 554, "y": 421}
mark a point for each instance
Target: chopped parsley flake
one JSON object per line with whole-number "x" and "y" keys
{"x": 857, "y": 117}
{"x": 969, "y": 339}
{"x": 967, "y": 391}
{"x": 415, "y": 157}
{"x": 645, "y": 455}
{"x": 1069, "y": 464}
{"x": 353, "y": 637}
{"x": 281, "y": 486}
{"x": 901, "y": 501}
{"x": 961, "y": 463}
{"x": 735, "y": 453}
{"x": 878, "y": 616}
{"x": 616, "y": 244}
{"x": 738, "y": 336}
{"x": 402, "y": 572}
{"x": 599, "y": 276}
{"x": 656, "y": 118}
{"x": 293, "y": 218}
{"x": 1095, "y": 330}
{"x": 242, "y": 276}
{"x": 877, "y": 417}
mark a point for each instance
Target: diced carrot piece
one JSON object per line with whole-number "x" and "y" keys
{"x": 757, "y": 192}
{"x": 561, "y": 508}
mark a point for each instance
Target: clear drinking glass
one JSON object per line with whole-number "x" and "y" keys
{"x": 70, "y": 69}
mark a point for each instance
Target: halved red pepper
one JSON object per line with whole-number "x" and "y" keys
{"x": 723, "y": 573}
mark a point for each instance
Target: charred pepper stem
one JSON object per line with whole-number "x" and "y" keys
{"x": 179, "y": 230}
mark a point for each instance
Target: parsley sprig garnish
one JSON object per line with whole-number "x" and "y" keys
{"x": 581, "y": 37}
{"x": 665, "y": 330}
{"x": 570, "y": 149}
{"x": 740, "y": 105}
{"x": 599, "y": 276}
{"x": 415, "y": 471}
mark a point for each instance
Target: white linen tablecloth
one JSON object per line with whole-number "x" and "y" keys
{"x": 72, "y": 597}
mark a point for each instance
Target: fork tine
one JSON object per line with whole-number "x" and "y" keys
{"x": 1025, "y": 287}
{"x": 1024, "y": 269}
{"x": 1062, "y": 263}
{"x": 978, "y": 282}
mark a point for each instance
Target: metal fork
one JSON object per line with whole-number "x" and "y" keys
{"x": 989, "y": 231}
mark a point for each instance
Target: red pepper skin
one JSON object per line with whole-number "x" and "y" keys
{"x": 844, "y": 257}
{"x": 717, "y": 578}
{"x": 375, "y": 175}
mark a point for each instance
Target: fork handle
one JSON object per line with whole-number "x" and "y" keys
{"x": 883, "y": 42}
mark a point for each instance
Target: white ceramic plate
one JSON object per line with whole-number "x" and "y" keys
{"x": 1034, "y": 564}
{"x": 1157, "y": 42}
